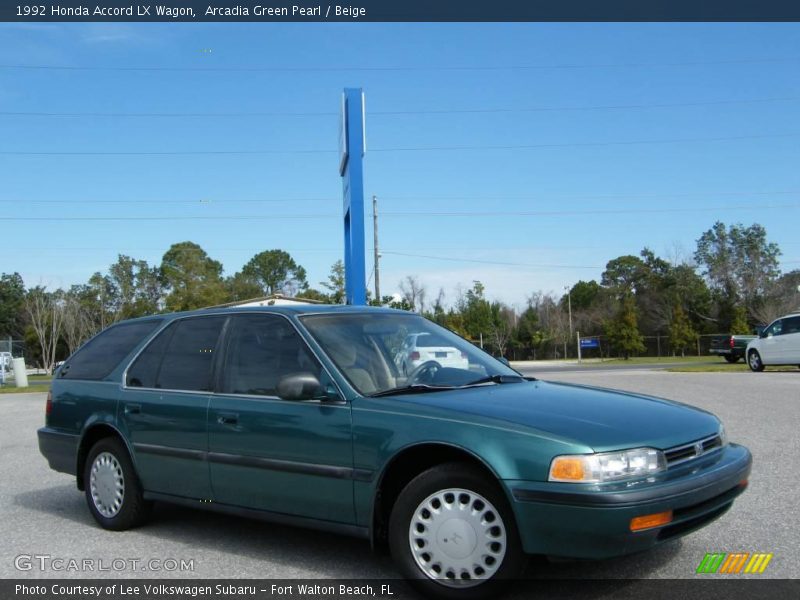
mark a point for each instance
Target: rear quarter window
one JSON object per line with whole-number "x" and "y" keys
{"x": 100, "y": 355}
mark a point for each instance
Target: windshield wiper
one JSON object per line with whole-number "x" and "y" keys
{"x": 417, "y": 388}
{"x": 495, "y": 379}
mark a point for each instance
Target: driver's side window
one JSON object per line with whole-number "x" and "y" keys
{"x": 775, "y": 329}
{"x": 261, "y": 350}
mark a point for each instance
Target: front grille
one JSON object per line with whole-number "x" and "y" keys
{"x": 692, "y": 450}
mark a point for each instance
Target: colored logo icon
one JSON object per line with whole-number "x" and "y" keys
{"x": 734, "y": 563}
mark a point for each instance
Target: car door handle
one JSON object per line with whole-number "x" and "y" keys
{"x": 227, "y": 418}
{"x": 133, "y": 409}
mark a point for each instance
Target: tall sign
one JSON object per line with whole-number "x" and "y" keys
{"x": 352, "y": 145}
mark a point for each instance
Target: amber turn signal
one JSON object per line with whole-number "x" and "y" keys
{"x": 650, "y": 521}
{"x": 567, "y": 468}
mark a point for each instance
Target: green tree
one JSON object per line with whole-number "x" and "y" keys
{"x": 276, "y": 272}
{"x": 739, "y": 324}
{"x": 476, "y": 312}
{"x": 623, "y": 330}
{"x": 12, "y": 298}
{"x": 192, "y": 279}
{"x": 139, "y": 288}
{"x": 527, "y": 335}
{"x": 240, "y": 287}
{"x": 583, "y": 294}
{"x": 739, "y": 264}
{"x": 624, "y": 274}
{"x": 681, "y": 333}
{"x": 335, "y": 283}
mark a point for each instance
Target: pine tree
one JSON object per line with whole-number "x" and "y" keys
{"x": 623, "y": 330}
{"x": 681, "y": 332}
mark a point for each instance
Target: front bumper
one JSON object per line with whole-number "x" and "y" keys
{"x": 593, "y": 521}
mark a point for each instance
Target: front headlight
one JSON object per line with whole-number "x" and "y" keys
{"x": 723, "y": 437}
{"x": 607, "y": 466}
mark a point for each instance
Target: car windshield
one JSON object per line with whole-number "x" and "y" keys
{"x": 380, "y": 353}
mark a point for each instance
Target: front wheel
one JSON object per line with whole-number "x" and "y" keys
{"x": 113, "y": 491}
{"x": 453, "y": 535}
{"x": 754, "y": 361}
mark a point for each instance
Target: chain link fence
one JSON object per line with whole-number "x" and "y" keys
{"x": 655, "y": 346}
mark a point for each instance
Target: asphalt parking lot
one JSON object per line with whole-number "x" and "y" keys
{"x": 42, "y": 513}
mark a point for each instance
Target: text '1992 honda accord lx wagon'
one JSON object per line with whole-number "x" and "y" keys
{"x": 301, "y": 415}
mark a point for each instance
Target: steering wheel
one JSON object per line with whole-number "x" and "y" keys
{"x": 423, "y": 373}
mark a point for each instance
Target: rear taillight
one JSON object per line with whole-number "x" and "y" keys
{"x": 49, "y": 406}
{"x": 413, "y": 356}
{"x": 731, "y": 342}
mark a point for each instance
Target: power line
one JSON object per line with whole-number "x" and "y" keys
{"x": 211, "y": 202}
{"x": 198, "y": 202}
{"x": 415, "y": 214}
{"x": 587, "y": 144}
{"x": 445, "y": 111}
{"x": 604, "y": 211}
{"x": 491, "y": 262}
{"x": 166, "y": 114}
{"x": 399, "y": 68}
{"x": 176, "y": 218}
{"x": 380, "y": 113}
{"x": 551, "y": 198}
{"x": 407, "y": 148}
{"x": 169, "y": 152}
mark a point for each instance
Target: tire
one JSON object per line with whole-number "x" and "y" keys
{"x": 731, "y": 359}
{"x": 455, "y": 501}
{"x": 754, "y": 361}
{"x": 112, "y": 488}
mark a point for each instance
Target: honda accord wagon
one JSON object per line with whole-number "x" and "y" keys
{"x": 301, "y": 415}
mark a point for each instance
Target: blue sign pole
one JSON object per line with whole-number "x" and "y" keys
{"x": 352, "y": 145}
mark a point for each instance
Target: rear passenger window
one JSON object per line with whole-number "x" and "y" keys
{"x": 97, "y": 358}
{"x": 791, "y": 325}
{"x": 180, "y": 358}
{"x": 261, "y": 350}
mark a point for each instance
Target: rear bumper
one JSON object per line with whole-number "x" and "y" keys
{"x": 59, "y": 448}
{"x": 569, "y": 520}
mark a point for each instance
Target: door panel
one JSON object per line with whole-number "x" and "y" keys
{"x": 169, "y": 438}
{"x": 164, "y": 407}
{"x": 292, "y": 457}
{"x": 772, "y": 343}
{"x": 283, "y": 456}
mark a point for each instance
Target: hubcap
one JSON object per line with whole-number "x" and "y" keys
{"x": 107, "y": 485}
{"x": 754, "y": 360}
{"x": 457, "y": 537}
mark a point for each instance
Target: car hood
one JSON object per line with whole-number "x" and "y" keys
{"x": 600, "y": 418}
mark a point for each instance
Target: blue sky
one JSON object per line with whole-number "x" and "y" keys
{"x": 717, "y": 105}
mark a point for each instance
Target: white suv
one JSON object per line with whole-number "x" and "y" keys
{"x": 778, "y": 344}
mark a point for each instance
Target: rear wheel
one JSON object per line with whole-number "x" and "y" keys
{"x": 113, "y": 491}
{"x": 731, "y": 359}
{"x": 453, "y": 535}
{"x": 754, "y": 361}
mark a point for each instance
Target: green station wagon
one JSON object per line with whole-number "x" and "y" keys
{"x": 301, "y": 415}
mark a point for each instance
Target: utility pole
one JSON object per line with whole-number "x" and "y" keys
{"x": 569, "y": 304}
{"x": 375, "y": 244}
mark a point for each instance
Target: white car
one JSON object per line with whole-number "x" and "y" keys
{"x": 419, "y": 348}
{"x": 778, "y": 344}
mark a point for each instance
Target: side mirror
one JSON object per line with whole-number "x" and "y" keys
{"x": 300, "y": 386}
